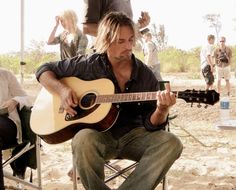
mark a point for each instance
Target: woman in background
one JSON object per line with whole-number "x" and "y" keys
{"x": 12, "y": 96}
{"x": 72, "y": 41}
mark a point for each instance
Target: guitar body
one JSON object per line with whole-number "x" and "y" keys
{"x": 54, "y": 126}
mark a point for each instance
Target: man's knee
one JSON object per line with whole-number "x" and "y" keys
{"x": 84, "y": 140}
{"x": 175, "y": 145}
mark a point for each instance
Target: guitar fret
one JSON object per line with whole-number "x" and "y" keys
{"x": 124, "y": 97}
{"x": 139, "y": 96}
{"x": 99, "y": 99}
{"x": 144, "y": 96}
{"x": 154, "y": 94}
{"x": 134, "y": 97}
{"x": 102, "y": 98}
{"x": 120, "y": 97}
{"x": 130, "y": 96}
{"x": 112, "y": 98}
{"x": 106, "y": 98}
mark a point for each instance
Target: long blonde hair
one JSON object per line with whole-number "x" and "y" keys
{"x": 109, "y": 28}
{"x": 71, "y": 16}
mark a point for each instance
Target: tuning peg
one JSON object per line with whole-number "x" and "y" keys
{"x": 206, "y": 106}
{"x": 192, "y": 104}
{"x": 199, "y": 105}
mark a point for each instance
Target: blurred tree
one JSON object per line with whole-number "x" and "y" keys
{"x": 159, "y": 36}
{"x": 36, "y": 50}
{"x": 36, "y": 55}
{"x": 214, "y": 21}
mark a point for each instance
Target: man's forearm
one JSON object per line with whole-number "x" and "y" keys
{"x": 50, "y": 82}
{"x": 209, "y": 60}
{"x": 159, "y": 116}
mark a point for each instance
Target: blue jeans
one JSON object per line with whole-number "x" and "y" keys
{"x": 155, "y": 151}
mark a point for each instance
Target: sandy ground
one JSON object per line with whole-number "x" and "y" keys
{"x": 208, "y": 161}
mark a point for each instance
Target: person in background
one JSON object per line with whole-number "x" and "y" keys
{"x": 12, "y": 97}
{"x": 150, "y": 55}
{"x": 207, "y": 62}
{"x": 95, "y": 10}
{"x": 137, "y": 134}
{"x": 72, "y": 41}
{"x": 223, "y": 59}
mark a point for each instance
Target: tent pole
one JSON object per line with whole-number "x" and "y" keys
{"x": 22, "y": 63}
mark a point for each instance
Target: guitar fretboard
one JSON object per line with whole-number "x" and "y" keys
{"x": 127, "y": 97}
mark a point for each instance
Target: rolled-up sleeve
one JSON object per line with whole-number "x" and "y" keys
{"x": 42, "y": 69}
{"x": 64, "y": 68}
{"x": 150, "y": 127}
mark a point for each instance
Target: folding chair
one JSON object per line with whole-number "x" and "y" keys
{"x": 31, "y": 151}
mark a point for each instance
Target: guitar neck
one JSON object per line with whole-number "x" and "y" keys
{"x": 191, "y": 96}
{"x": 128, "y": 97}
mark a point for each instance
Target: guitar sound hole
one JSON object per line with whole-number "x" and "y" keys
{"x": 88, "y": 100}
{"x": 87, "y": 106}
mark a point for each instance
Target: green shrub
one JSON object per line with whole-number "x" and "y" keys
{"x": 172, "y": 60}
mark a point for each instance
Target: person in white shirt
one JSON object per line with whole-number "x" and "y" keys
{"x": 150, "y": 55}
{"x": 12, "y": 96}
{"x": 207, "y": 64}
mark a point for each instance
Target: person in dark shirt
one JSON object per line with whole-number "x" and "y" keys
{"x": 95, "y": 10}
{"x": 137, "y": 133}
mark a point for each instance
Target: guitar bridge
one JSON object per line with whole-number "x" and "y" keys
{"x": 69, "y": 117}
{"x": 80, "y": 113}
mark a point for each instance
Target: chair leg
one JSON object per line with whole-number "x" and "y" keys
{"x": 39, "y": 176}
{"x": 74, "y": 176}
{"x": 165, "y": 183}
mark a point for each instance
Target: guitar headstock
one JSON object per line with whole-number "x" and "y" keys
{"x": 199, "y": 96}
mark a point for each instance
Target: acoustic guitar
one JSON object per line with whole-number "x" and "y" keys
{"x": 97, "y": 108}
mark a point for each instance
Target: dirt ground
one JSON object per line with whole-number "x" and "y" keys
{"x": 208, "y": 161}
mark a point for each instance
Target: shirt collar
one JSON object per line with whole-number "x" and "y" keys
{"x": 136, "y": 65}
